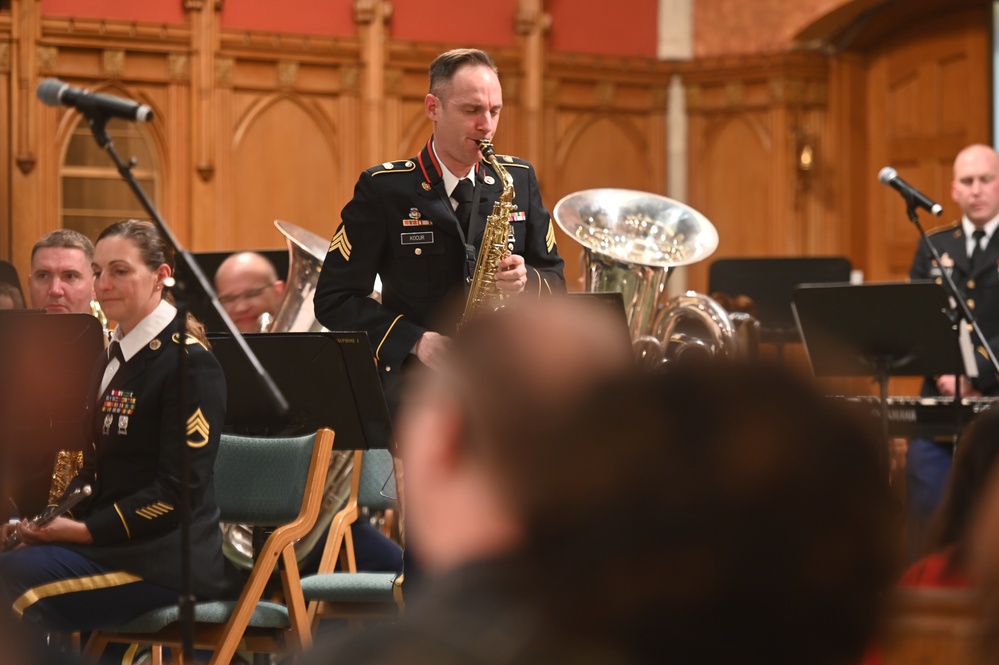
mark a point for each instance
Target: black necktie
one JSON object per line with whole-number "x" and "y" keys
{"x": 463, "y": 195}
{"x": 113, "y": 351}
{"x": 976, "y": 253}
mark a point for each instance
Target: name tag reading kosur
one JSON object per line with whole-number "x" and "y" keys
{"x": 418, "y": 238}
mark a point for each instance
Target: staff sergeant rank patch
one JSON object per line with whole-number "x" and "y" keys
{"x": 550, "y": 238}
{"x": 341, "y": 244}
{"x": 197, "y": 430}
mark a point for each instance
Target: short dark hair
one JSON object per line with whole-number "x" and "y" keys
{"x": 67, "y": 238}
{"x": 444, "y": 66}
{"x": 730, "y": 511}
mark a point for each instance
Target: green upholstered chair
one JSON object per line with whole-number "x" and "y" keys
{"x": 346, "y": 593}
{"x": 269, "y": 482}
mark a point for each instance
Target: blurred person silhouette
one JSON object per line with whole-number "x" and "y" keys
{"x": 744, "y": 520}
{"x": 716, "y": 512}
{"x": 61, "y": 279}
{"x": 951, "y": 534}
{"x": 464, "y": 431}
{"x": 10, "y": 297}
{"x": 975, "y": 459}
{"x": 248, "y": 286}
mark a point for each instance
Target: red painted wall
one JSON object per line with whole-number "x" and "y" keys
{"x": 456, "y": 22}
{"x": 621, "y": 27}
{"x": 332, "y": 18}
{"x": 158, "y": 11}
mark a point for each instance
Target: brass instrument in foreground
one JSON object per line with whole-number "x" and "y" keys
{"x": 495, "y": 237}
{"x": 632, "y": 241}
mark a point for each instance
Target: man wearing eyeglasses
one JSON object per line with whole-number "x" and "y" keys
{"x": 248, "y": 286}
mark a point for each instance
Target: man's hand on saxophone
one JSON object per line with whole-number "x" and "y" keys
{"x": 511, "y": 274}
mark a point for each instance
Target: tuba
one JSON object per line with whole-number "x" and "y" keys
{"x": 632, "y": 241}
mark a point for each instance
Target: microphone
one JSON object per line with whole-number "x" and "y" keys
{"x": 54, "y": 92}
{"x": 889, "y": 176}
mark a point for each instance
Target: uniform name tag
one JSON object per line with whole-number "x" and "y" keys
{"x": 418, "y": 238}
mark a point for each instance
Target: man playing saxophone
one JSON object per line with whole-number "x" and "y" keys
{"x": 418, "y": 223}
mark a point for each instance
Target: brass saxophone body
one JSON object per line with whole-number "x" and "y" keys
{"x": 482, "y": 291}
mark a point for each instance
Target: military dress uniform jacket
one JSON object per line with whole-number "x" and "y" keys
{"x": 134, "y": 466}
{"x": 980, "y": 288}
{"x": 401, "y": 225}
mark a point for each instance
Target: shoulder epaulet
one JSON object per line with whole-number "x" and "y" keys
{"x": 398, "y": 166}
{"x": 188, "y": 341}
{"x": 510, "y": 160}
{"x": 944, "y": 228}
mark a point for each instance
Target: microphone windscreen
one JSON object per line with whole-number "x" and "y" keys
{"x": 887, "y": 174}
{"x": 50, "y": 91}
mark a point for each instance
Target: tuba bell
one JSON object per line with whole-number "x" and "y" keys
{"x": 632, "y": 241}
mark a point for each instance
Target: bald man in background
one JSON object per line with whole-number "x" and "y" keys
{"x": 248, "y": 286}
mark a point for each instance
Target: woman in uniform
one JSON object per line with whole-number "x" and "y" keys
{"x": 117, "y": 554}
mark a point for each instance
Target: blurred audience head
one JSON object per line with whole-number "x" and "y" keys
{"x": 468, "y": 430}
{"x": 61, "y": 278}
{"x": 975, "y": 459}
{"x": 248, "y": 286}
{"x": 716, "y": 512}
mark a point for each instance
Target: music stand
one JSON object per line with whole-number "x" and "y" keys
{"x": 878, "y": 330}
{"x": 46, "y": 362}
{"x": 330, "y": 381}
{"x": 770, "y": 282}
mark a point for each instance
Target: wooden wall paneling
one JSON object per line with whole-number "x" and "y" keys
{"x": 284, "y": 103}
{"x": 744, "y": 118}
{"x": 7, "y": 57}
{"x": 928, "y": 96}
{"x": 606, "y": 128}
{"x": 841, "y": 159}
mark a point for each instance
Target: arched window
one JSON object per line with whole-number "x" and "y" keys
{"x": 94, "y": 194}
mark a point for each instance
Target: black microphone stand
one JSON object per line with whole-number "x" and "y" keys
{"x": 959, "y": 306}
{"x": 97, "y": 119}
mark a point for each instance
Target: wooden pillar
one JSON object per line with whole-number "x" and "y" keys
{"x": 205, "y": 210}
{"x": 371, "y": 17}
{"x": 27, "y": 220}
{"x": 532, "y": 23}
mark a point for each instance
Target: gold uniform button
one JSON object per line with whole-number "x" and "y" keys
{"x": 971, "y": 283}
{"x": 387, "y": 369}
{"x": 971, "y": 304}
{"x": 417, "y": 251}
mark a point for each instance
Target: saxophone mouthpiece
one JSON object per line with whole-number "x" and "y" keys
{"x": 486, "y": 148}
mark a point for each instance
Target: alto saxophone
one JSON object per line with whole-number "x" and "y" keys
{"x": 495, "y": 237}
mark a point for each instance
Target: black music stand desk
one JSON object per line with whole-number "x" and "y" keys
{"x": 878, "y": 330}
{"x": 770, "y": 281}
{"x": 328, "y": 378}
